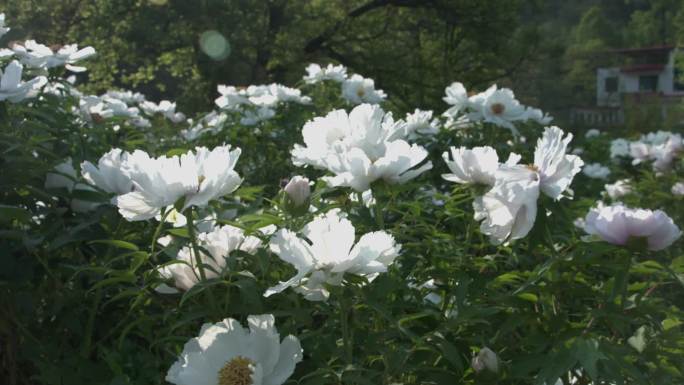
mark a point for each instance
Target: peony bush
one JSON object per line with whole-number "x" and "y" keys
{"x": 480, "y": 244}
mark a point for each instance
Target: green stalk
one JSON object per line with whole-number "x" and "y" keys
{"x": 90, "y": 325}
{"x": 347, "y": 340}
{"x": 157, "y": 231}
{"x": 198, "y": 259}
{"x": 379, "y": 219}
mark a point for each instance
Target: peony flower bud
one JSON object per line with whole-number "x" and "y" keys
{"x": 485, "y": 359}
{"x": 298, "y": 191}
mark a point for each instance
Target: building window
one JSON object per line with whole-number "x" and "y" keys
{"x": 611, "y": 84}
{"x": 648, "y": 83}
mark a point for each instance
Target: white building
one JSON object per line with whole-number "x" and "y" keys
{"x": 649, "y": 76}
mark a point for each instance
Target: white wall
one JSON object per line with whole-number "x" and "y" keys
{"x": 667, "y": 78}
{"x": 629, "y": 83}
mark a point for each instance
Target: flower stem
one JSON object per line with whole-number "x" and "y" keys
{"x": 198, "y": 260}
{"x": 379, "y": 219}
{"x": 347, "y": 340}
{"x": 157, "y": 231}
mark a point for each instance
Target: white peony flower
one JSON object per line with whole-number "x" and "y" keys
{"x": 32, "y": 54}
{"x": 231, "y": 98}
{"x": 128, "y": 97}
{"x": 639, "y": 151}
{"x": 359, "y": 149}
{"x": 322, "y": 134}
{"x": 538, "y": 116}
{"x": 485, "y": 359}
{"x": 68, "y": 55}
{"x": 165, "y": 107}
{"x": 254, "y": 117}
{"x": 219, "y": 244}
{"x": 619, "y": 189}
{"x": 329, "y": 253}
{"x": 396, "y": 166}
{"x": 497, "y": 106}
{"x": 596, "y": 171}
{"x": 159, "y": 182}
{"x": 592, "y": 133}
{"x": 477, "y": 165}
{"x": 260, "y": 98}
{"x": 316, "y": 74}
{"x": 663, "y": 154}
{"x": 97, "y": 108}
{"x": 357, "y": 90}
{"x": 509, "y": 209}
{"x": 616, "y": 224}
{"x": 225, "y": 353}
{"x": 11, "y": 86}
{"x": 457, "y": 97}
{"x": 109, "y": 175}
{"x": 619, "y": 148}
{"x": 285, "y": 94}
{"x": 211, "y": 122}
{"x": 420, "y": 123}
{"x": 556, "y": 168}
{"x": 660, "y": 147}
{"x": 37, "y": 55}
{"x": 678, "y": 189}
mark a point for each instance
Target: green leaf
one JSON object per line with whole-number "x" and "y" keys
{"x": 670, "y": 323}
{"x": 117, "y": 243}
{"x": 588, "y": 354}
{"x": 528, "y": 297}
{"x": 13, "y": 212}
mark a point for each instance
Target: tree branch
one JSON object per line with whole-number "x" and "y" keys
{"x": 318, "y": 42}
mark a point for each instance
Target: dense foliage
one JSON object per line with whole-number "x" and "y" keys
{"x": 460, "y": 268}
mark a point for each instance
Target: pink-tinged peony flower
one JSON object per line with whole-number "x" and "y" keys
{"x": 618, "y": 224}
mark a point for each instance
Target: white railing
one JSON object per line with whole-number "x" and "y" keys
{"x": 597, "y": 116}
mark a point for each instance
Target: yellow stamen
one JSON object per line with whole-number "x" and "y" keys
{"x": 237, "y": 371}
{"x": 498, "y": 108}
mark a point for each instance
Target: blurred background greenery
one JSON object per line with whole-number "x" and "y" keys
{"x": 546, "y": 50}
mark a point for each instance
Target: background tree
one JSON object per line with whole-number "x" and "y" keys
{"x": 412, "y": 48}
